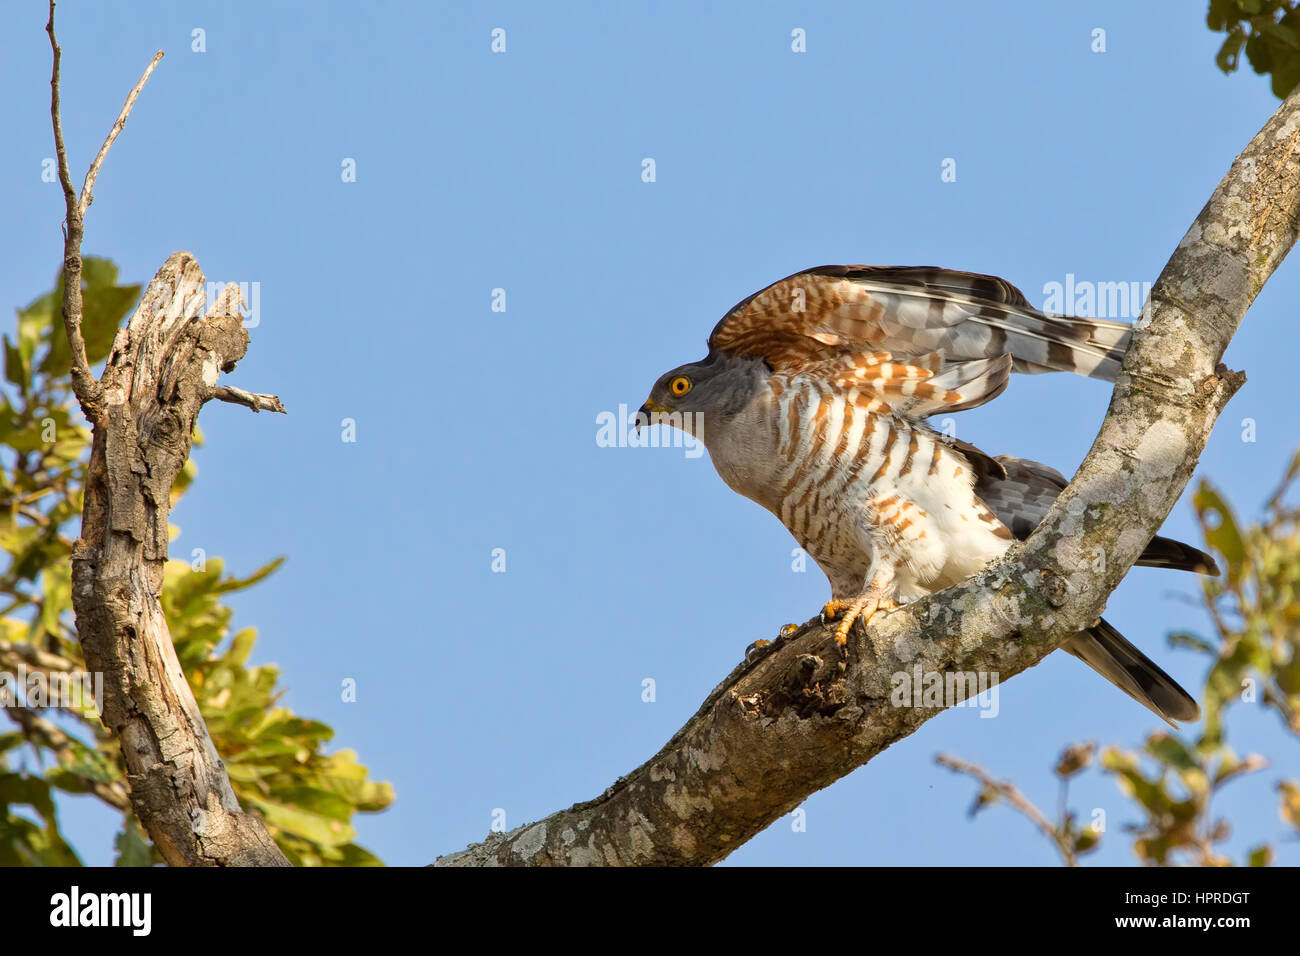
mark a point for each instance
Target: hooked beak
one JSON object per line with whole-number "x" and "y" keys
{"x": 645, "y": 414}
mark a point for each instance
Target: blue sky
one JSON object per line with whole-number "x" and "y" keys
{"x": 476, "y": 429}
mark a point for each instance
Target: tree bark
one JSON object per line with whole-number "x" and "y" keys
{"x": 797, "y": 717}
{"x": 163, "y": 367}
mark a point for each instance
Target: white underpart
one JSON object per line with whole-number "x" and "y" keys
{"x": 852, "y": 498}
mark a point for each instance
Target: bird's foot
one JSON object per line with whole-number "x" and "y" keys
{"x": 849, "y": 611}
{"x": 833, "y": 609}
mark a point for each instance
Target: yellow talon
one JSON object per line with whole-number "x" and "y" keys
{"x": 833, "y": 608}
{"x": 863, "y": 607}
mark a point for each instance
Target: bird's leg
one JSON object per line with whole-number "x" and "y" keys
{"x": 874, "y": 598}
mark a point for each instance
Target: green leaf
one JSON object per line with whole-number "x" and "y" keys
{"x": 303, "y": 823}
{"x": 17, "y": 370}
{"x": 1219, "y": 526}
{"x": 1261, "y": 855}
{"x": 1275, "y": 31}
{"x": 132, "y": 847}
{"x": 1086, "y": 841}
{"x": 317, "y": 801}
{"x": 1221, "y": 13}
{"x": 241, "y": 645}
{"x": 1230, "y": 52}
{"x": 1185, "y": 639}
{"x": 1172, "y": 751}
{"x": 1230, "y": 767}
{"x": 1286, "y": 75}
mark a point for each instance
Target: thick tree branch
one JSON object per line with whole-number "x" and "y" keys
{"x": 161, "y": 370}
{"x": 795, "y": 718}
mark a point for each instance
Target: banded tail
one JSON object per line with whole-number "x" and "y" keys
{"x": 1111, "y": 655}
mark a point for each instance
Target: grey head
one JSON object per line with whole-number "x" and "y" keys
{"x": 712, "y": 390}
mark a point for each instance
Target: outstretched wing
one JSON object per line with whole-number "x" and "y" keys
{"x": 909, "y": 311}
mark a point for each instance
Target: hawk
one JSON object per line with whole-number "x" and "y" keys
{"x": 812, "y": 402}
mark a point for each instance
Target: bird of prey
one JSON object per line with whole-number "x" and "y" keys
{"x": 812, "y": 402}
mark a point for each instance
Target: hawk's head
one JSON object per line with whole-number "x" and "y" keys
{"x": 717, "y": 386}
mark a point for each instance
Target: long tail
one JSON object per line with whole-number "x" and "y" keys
{"x": 1168, "y": 553}
{"x": 1110, "y": 654}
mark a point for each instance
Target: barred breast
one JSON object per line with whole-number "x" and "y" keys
{"x": 853, "y": 481}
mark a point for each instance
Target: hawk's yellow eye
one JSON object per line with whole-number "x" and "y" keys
{"x": 680, "y": 385}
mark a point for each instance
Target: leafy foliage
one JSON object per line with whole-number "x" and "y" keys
{"x": 277, "y": 760}
{"x": 1269, "y": 33}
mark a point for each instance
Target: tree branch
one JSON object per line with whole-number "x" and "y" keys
{"x": 1009, "y": 792}
{"x": 88, "y": 187}
{"x": 795, "y": 717}
{"x": 84, "y": 385}
{"x": 237, "y": 396}
{"x": 41, "y": 731}
{"x": 157, "y": 377}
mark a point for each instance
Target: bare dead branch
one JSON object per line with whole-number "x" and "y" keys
{"x": 84, "y": 385}
{"x": 796, "y": 717}
{"x": 88, "y": 187}
{"x": 65, "y": 177}
{"x": 1009, "y": 792}
{"x": 257, "y": 402}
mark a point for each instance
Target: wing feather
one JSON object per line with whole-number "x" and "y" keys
{"x": 909, "y": 311}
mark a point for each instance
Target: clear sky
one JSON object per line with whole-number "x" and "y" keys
{"x": 476, "y": 429}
